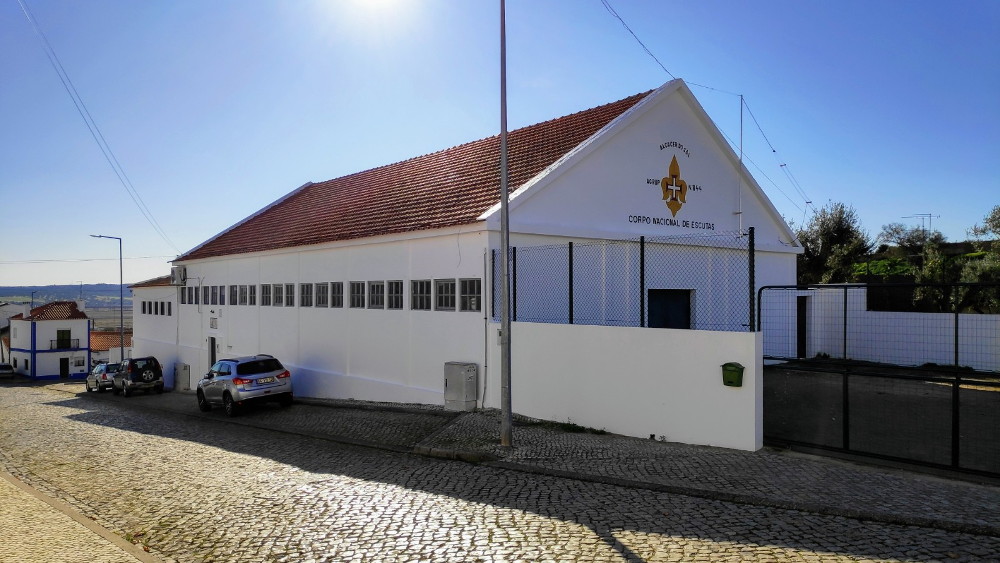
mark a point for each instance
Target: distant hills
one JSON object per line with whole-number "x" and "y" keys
{"x": 94, "y": 295}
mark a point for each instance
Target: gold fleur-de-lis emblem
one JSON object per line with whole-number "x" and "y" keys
{"x": 674, "y": 189}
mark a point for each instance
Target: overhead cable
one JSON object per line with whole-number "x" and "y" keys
{"x": 95, "y": 131}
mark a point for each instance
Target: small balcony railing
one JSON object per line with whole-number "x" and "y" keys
{"x": 64, "y": 343}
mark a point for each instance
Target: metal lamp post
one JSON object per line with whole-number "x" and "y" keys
{"x": 121, "y": 298}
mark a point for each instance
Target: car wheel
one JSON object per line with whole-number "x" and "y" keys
{"x": 230, "y": 405}
{"x": 126, "y": 392}
{"x": 148, "y": 376}
{"x": 203, "y": 403}
{"x": 286, "y": 400}
{"x": 87, "y": 385}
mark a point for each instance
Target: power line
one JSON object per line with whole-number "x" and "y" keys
{"x": 629, "y": 29}
{"x": 784, "y": 167}
{"x": 71, "y": 260}
{"x": 95, "y": 131}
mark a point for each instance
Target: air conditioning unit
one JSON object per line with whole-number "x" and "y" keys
{"x": 461, "y": 386}
{"x": 178, "y": 275}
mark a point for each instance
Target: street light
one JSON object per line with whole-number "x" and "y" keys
{"x": 121, "y": 299}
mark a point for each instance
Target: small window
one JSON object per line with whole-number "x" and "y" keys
{"x": 336, "y": 294}
{"x": 163, "y": 308}
{"x": 376, "y": 295}
{"x": 183, "y": 295}
{"x": 170, "y": 309}
{"x": 289, "y": 295}
{"x": 394, "y": 294}
{"x": 242, "y": 295}
{"x": 305, "y": 295}
{"x": 78, "y": 362}
{"x": 470, "y": 292}
{"x": 265, "y": 295}
{"x": 278, "y": 299}
{"x": 144, "y": 308}
{"x": 206, "y": 293}
{"x": 215, "y": 295}
{"x": 420, "y": 295}
{"x": 322, "y": 295}
{"x": 357, "y": 294}
{"x": 222, "y": 296}
{"x": 252, "y": 299}
{"x": 444, "y": 295}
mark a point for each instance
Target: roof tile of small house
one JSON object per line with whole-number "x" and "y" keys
{"x": 54, "y": 311}
{"x": 442, "y": 189}
{"x": 104, "y": 340}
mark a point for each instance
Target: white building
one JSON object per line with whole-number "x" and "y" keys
{"x": 366, "y": 285}
{"x": 51, "y": 342}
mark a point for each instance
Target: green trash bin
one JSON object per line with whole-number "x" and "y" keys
{"x": 732, "y": 374}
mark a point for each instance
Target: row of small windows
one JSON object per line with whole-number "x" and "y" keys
{"x": 157, "y": 308}
{"x": 425, "y": 295}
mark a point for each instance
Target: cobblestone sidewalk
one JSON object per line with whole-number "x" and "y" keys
{"x": 51, "y": 531}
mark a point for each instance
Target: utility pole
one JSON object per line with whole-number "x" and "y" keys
{"x": 121, "y": 298}
{"x": 506, "y": 422}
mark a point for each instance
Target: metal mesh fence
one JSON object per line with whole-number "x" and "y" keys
{"x": 899, "y": 324}
{"x": 694, "y": 282}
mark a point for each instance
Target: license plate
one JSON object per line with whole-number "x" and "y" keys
{"x": 265, "y": 380}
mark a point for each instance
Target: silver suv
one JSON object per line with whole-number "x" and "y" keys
{"x": 233, "y": 383}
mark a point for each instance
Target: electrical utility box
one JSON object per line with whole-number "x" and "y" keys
{"x": 461, "y": 386}
{"x": 182, "y": 377}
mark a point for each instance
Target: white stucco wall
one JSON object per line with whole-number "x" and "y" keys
{"x": 636, "y": 381}
{"x": 365, "y": 354}
{"x": 46, "y": 361}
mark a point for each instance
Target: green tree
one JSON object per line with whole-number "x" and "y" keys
{"x": 909, "y": 241}
{"x": 833, "y": 241}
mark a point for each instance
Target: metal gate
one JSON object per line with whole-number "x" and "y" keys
{"x": 905, "y": 373}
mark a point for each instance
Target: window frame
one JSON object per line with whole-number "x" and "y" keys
{"x": 376, "y": 294}
{"x": 421, "y": 295}
{"x": 289, "y": 295}
{"x": 394, "y": 295}
{"x": 358, "y": 294}
{"x": 445, "y": 300}
{"x": 265, "y": 295}
{"x": 337, "y": 295}
{"x": 322, "y": 294}
{"x": 277, "y": 295}
{"x": 305, "y": 295}
{"x": 465, "y": 296}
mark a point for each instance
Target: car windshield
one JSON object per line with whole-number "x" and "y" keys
{"x": 258, "y": 366}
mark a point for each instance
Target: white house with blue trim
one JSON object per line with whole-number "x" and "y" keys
{"x": 51, "y": 342}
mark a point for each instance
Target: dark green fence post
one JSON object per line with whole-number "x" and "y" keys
{"x": 642, "y": 281}
{"x": 570, "y": 282}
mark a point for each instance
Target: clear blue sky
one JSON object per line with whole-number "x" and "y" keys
{"x": 215, "y": 109}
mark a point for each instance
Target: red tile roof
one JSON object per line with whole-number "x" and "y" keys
{"x": 442, "y": 189}
{"x": 55, "y": 311}
{"x": 155, "y": 282}
{"x": 104, "y": 340}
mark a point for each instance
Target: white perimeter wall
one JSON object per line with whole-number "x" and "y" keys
{"x": 636, "y": 381}
{"x": 878, "y": 336}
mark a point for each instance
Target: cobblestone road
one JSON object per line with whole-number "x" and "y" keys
{"x": 197, "y": 489}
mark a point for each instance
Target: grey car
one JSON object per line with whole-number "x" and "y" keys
{"x": 101, "y": 377}
{"x": 236, "y": 382}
